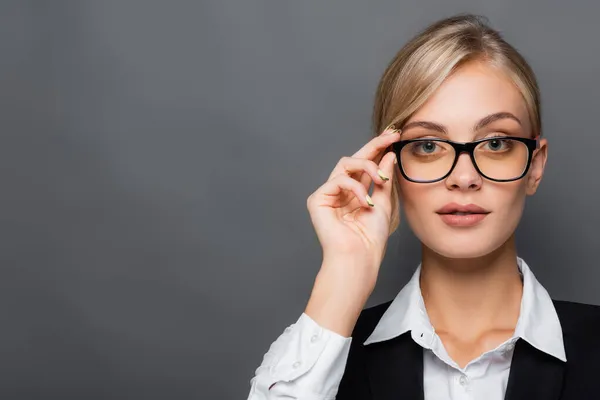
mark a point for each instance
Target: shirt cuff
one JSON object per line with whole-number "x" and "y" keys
{"x": 306, "y": 358}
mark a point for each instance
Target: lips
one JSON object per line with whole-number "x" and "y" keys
{"x": 458, "y": 215}
{"x": 454, "y": 208}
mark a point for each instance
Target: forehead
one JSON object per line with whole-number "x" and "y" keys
{"x": 472, "y": 92}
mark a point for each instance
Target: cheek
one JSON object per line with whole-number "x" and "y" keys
{"x": 508, "y": 197}
{"x": 419, "y": 199}
{"x": 508, "y": 205}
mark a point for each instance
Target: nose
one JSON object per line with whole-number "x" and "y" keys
{"x": 464, "y": 176}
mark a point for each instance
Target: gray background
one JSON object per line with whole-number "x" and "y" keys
{"x": 156, "y": 158}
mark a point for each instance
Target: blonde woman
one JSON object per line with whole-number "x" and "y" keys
{"x": 458, "y": 143}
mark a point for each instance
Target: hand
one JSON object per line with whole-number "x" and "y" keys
{"x": 348, "y": 227}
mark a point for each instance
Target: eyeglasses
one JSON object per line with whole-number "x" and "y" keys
{"x": 499, "y": 159}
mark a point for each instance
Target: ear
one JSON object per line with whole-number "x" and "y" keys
{"x": 538, "y": 164}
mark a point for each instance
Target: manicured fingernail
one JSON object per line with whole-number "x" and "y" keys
{"x": 369, "y": 200}
{"x": 382, "y": 175}
{"x": 389, "y": 129}
{"x": 392, "y": 129}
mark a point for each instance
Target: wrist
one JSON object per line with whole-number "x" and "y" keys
{"x": 338, "y": 297}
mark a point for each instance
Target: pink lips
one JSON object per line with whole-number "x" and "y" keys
{"x": 454, "y": 214}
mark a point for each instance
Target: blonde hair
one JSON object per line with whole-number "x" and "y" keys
{"x": 423, "y": 64}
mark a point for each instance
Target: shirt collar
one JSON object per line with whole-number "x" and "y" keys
{"x": 538, "y": 323}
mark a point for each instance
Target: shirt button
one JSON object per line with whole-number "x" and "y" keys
{"x": 314, "y": 338}
{"x": 296, "y": 364}
{"x": 463, "y": 380}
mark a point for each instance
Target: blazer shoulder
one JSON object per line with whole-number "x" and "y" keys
{"x": 578, "y": 318}
{"x": 368, "y": 319}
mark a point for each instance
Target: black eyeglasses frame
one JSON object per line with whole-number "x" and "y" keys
{"x": 469, "y": 148}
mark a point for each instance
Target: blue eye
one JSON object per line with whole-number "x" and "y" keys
{"x": 426, "y": 147}
{"x": 498, "y": 144}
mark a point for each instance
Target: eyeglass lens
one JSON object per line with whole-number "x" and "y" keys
{"x": 426, "y": 160}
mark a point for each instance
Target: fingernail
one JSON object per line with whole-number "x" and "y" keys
{"x": 395, "y": 159}
{"x": 369, "y": 200}
{"x": 388, "y": 129}
{"x": 382, "y": 175}
{"x": 392, "y": 129}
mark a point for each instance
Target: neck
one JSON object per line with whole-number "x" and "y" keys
{"x": 469, "y": 297}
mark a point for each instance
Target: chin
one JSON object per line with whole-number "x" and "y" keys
{"x": 461, "y": 251}
{"x": 464, "y": 243}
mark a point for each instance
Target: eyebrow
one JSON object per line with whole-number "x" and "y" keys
{"x": 495, "y": 117}
{"x": 432, "y": 126}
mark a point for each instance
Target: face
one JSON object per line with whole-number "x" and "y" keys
{"x": 472, "y": 93}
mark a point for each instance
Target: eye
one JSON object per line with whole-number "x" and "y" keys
{"x": 426, "y": 147}
{"x": 498, "y": 144}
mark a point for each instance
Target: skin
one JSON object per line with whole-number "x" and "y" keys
{"x": 470, "y": 284}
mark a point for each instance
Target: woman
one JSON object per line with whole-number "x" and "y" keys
{"x": 463, "y": 150}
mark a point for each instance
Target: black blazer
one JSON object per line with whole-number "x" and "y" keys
{"x": 393, "y": 369}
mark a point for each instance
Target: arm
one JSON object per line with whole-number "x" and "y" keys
{"x": 309, "y": 360}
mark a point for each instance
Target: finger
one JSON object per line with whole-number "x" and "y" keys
{"x": 330, "y": 193}
{"x": 351, "y": 166}
{"x": 382, "y": 193}
{"x": 375, "y": 150}
{"x": 376, "y": 145}
{"x": 366, "y": 179}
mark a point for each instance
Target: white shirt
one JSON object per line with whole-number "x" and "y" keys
{"x": 307, "y": 361}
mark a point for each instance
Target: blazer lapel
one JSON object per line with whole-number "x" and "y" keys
{"x": 395, "y": 369}
{"x": 534, "y": 374}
